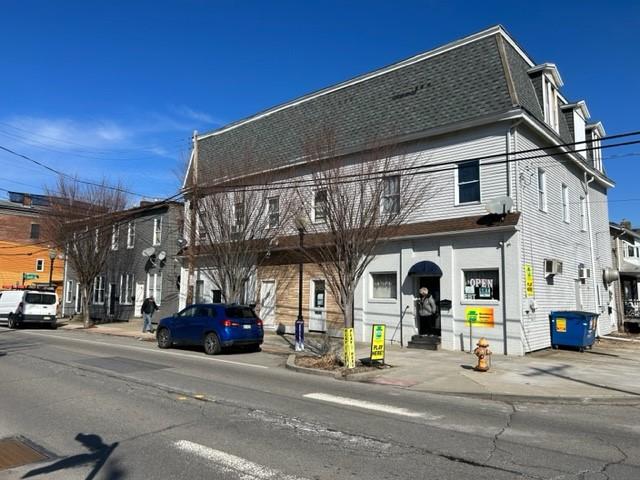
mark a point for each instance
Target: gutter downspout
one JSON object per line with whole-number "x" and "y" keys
{"x": 596, "y": 299}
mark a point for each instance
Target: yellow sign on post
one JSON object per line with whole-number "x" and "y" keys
{"x": 479, "y": 316}
{"x": 349, "y": 348}
{"x": 528, "y": 280}
{"x": 377, "y": 343}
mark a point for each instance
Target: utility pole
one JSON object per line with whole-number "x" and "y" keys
{"x": 193, "y": 205}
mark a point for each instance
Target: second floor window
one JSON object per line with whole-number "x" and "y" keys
{"x": 320, "y": 206}
{"x": 35, "y": 231}
{"x": 239, "y": 220}
{"x": 157, "y": 231}
{"x": 115, "y": 237}
{"x": 131, "y": 235}
{"x": 40, "y": 265}
{"x": 469, "y": 182}
{"x": 273, "y": 210}
{"x": 565, "y": 203}
{"x": 542, "y": 190}
{"x": 391, "y": 195}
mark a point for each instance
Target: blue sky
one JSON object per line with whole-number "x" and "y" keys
{"x": 116, "y": 88}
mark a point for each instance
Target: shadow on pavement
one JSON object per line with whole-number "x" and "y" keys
{"x": 100, "y": 452}
{"x": 559, "y": 372}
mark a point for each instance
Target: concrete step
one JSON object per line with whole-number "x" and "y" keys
{"x": 425, "y": 342}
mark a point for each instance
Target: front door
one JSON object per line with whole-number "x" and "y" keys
{"x": 268, "y": 303}
{"x": 111, "y": 306}
{"x": 139, "y": 299}
{"x": 317, "y": 309}
{"x": 433, "y": 284}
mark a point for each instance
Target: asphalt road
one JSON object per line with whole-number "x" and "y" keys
{"x": 110, "y": 407}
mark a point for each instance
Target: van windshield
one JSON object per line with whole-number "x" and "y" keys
{"x": 40, "y": 298}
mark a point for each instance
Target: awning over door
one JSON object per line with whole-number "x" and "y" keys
{"x": 425, "y": 269}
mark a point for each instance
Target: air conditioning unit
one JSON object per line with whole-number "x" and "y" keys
{"x": 584, "y": 273}
{"x": 552, "y": 267}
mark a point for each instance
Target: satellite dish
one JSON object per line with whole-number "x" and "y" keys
{"x": 499, "y": 205}
{"x": 162, "y": 255}
{"x": 147, "y": 252}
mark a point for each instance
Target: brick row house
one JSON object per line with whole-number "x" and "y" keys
{"x": 142, "y": 261}
{"x": 25, "y": 258}
{"x": 500, "y": 127}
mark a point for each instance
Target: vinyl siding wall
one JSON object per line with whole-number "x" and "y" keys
{"x": 545, "y": 235}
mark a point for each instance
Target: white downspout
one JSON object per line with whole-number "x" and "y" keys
{"x": 596, "y": 300}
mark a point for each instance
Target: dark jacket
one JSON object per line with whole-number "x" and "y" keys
{"x": 148, "y": 306}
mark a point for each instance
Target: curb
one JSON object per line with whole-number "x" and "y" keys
{"x": 338, "y": 375}
{"x": 112, "y": 334}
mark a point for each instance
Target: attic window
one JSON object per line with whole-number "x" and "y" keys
{"x": 550, "y": 95}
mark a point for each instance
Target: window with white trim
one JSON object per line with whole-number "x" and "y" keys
{"x": 320, "y": 206}
{"x": 565, "y": 203}
{"x": 550, "y": 103}
{"x": 583, "y": 214}
{"x": 596, "y": 152}
{"x": 273, "y": 211}
{"x": 40, "y": 265}
{"x": 131, "y": 235}
{"x": 68, "y": 294}
{"x": 157, "y": 231}
{"x": 481, "y": 284}
{"x": 115, "y": 237}
{"x": 239, "y": 216}
{"x": 126, "y": 288}
{"x": 468, "y": 179}
{"x": 154, "y": 286}
{"x": 391, "y": 195}
{"x": 384, "y": 286}
{"x": 542, "y": 190}
{"x": 98, "y": 290}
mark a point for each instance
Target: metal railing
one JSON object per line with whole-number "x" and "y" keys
{"x": 632, "y": 308}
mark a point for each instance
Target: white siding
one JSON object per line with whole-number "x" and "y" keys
{"x": 546, "y": 235}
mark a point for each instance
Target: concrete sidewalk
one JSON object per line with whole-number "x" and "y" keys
{"x": 608, "y": 373}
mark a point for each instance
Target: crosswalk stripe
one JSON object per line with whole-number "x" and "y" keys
{"x": 352, "y": 402}
{"x": 232, "y": 463}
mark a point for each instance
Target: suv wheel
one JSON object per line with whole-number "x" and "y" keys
{"x": 164, "y": 338}
{"x": 12, "y": 321}
{"x": 212, "y": 344}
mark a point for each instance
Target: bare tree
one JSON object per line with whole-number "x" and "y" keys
{"x": 80, "y": 224}
{"x": 236, "y": 228}
{"x": 357, "y": 204}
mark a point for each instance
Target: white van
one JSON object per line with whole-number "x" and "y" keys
{"x": 21, "y": 306}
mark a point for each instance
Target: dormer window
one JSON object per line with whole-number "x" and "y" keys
{"x": 548, "y": 86}
{"x": 595, "y": 132}
{"x": 596, "y": 151}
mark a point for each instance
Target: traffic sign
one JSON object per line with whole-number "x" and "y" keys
{"x": 30, "y": 276}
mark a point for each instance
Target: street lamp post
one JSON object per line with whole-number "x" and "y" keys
{"x": 300, "y": 321}
{"x": 52, "y": 257}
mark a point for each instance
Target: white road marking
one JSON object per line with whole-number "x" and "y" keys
{"x": 352, "y": 402}
{"x": 142, "y": 349}
{"x": 245, "y": 469}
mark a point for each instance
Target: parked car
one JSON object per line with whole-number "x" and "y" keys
{"x": 22, "y": 306}
{"x": 214, "y": 326}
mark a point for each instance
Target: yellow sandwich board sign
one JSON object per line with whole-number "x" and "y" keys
{"x": 349, "y": 348}
{"x": 377, "y": 343}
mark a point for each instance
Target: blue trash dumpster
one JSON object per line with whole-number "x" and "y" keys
{"x": 573, "y": 329}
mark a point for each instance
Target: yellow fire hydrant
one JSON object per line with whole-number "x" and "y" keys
{"x": 482, "y": 352}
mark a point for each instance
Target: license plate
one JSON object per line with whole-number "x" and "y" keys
{"x": 46, "y": 318}
{"x": 246, "y": 326}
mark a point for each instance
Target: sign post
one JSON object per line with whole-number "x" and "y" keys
{"x": 349, "y": 348}
{"x": 377, "y": 343}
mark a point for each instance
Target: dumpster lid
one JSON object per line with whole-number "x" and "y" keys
{"x": 573, "y": 313}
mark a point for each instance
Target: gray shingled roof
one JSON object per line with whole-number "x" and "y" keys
{"x": 461, "y": 84}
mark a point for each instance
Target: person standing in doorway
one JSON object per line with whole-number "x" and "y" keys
{"x": 148, "y": 308}
{"x": 427, "y": 311}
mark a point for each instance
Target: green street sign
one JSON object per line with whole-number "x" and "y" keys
{"x": 30, "y": 276}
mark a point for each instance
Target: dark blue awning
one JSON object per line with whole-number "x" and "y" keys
{"x": 425, "y": 269}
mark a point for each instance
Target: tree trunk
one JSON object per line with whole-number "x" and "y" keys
{"x": 348, "y": 310}
{"x": 86, "y": 316}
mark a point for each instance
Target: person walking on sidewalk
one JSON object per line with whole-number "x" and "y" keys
{"x": 149, "y": 306}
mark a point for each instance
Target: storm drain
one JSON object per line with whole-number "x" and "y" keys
{"x": 16, "y": 451}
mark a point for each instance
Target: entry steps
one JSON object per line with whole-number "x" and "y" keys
{"x": 425, "y": 342}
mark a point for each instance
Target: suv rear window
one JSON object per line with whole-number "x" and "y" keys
{"x": 40, "y": 298}
{"x": 240, "y": 312}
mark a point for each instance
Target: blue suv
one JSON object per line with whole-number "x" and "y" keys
{"x": 212, "y": 325}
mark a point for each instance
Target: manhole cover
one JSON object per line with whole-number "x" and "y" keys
{"x": 15, "y": 452}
